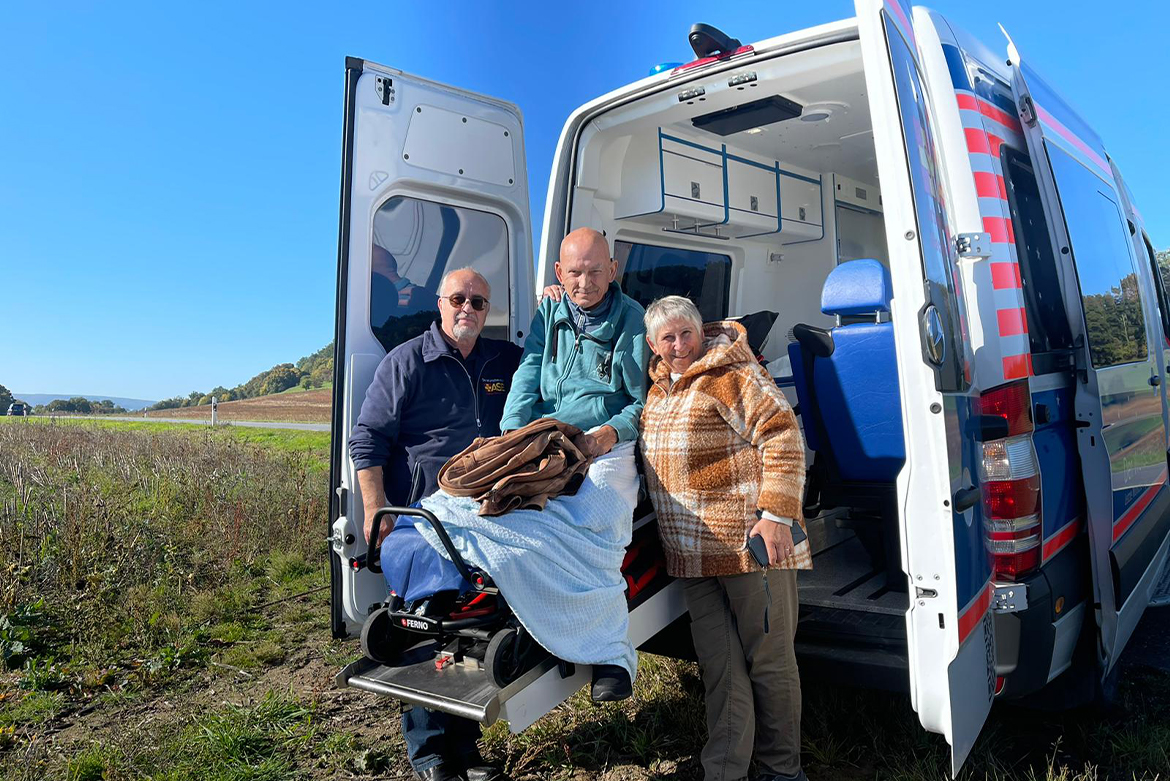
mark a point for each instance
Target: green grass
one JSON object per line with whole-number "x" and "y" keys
{"x": 299, "y": 389}
{"x": 134, "y": 561}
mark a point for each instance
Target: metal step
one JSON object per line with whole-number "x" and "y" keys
{"x": 465, "y": 690}
{"x": 1161, "y": 597}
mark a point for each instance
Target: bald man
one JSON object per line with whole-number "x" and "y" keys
{"x": 584, "y": 360}
{"x": 584, "y": 363}
{"x": 431, "y": 396}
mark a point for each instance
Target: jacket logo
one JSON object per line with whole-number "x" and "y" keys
{"x": 605, "y": 367}
{"x": 494, "y": 386}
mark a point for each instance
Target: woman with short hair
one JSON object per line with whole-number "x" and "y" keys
{"x": 724, "y": 461}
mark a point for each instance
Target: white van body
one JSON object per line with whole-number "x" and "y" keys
{"x": 1015, "y": 541}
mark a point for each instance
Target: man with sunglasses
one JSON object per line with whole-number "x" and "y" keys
{"x": 430, "y": 397}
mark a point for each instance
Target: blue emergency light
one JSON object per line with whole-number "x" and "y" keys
{"x": 664, "y": 66}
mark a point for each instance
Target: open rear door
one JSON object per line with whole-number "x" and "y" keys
{"x": 1121, "y": 434}
{"x": 433, "y": 179}
{"x": 950, "y": 634}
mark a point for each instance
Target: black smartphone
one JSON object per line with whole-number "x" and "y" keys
{"x": 759, "y": 550}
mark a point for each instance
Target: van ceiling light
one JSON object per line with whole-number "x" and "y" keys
{"x": 758, "y": 113}
{"x": 821, "y": 112}
{"x": 753, "y": 131}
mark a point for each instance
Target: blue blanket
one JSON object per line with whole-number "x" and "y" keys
{"x": 559, "y": 568}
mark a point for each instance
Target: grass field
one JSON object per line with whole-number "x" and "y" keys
{"x": 295, "y": 406}
{"x": 162, "y": 616}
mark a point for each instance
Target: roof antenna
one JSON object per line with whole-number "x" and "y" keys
{"x": 1013, "y": 53}
{"x": 708, "y": 41}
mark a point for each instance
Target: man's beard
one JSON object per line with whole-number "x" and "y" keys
{"x": 464, "y": 331}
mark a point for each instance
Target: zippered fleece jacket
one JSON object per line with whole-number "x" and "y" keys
{"x": 426, "y": 404}
{"x": 720, "y": 445}
{"x": 583, "y": 379}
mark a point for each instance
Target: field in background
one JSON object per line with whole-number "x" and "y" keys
{"x": 312, "y": 406}
{"x": 163, "y": 616}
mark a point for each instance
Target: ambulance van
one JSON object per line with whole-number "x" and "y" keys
{"x": 956, "y": 290}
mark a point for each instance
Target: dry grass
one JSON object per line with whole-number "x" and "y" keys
{"x": 314, "y": 406}
{"x": 133, "y": 567}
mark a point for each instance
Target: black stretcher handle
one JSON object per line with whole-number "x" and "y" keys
{"x": 374, "y": 556}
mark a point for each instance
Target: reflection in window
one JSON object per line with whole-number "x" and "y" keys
{"x": 646, "y": 273}
{"x": 414, "y": 243}
{"x": 929, "y": 208}
{"x": 1101, "y": 251}
{"x": 1047, "y": 322}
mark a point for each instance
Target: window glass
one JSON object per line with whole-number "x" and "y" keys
{"x": 647, "y": 272}
{"x": 1048, "y": 327}
{"x": 929, "y": 207}
{"x": 1101, "y": 252}
{"x": 1161, "y": 275}
{"x": 414, "y": 243}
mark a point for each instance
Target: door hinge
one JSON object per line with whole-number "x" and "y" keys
{"x": 1009, "y": 598}
{"x": 384, "y": 85}
{"x": 973, "y": 245}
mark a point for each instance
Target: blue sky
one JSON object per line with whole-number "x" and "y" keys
{"x": 169, "y": 173}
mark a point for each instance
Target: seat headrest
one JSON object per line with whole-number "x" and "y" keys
{"x": 857, "y": 287}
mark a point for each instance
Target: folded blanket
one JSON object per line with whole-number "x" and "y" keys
{"x": 521, "y": 469}
{"x": 559, "y": 568}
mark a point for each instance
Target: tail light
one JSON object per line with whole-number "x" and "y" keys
{"x": 1010, "y": 481}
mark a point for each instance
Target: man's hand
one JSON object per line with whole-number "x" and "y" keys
{"x": 386, "y": 526}
{"x": 777, "y": 539}
{"x": 555, "y": 292}
{"x": 601, "y": 441}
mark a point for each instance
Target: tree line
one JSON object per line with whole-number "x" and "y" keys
{"x": 78, "y": 405}
{"x": 312, "y": 371}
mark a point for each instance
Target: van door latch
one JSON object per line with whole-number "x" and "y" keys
{"x": 973, "y": 245}
{"x": 924, "y": 593}
{"x": 1009, "y": 598}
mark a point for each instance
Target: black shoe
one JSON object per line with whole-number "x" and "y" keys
{"x": 486, "y": 773}
{"x": 800, "y": 776}
{"x": 611, "y": 683}
{"x": 440, "y": 772}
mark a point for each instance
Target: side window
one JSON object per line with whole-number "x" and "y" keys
{"x": 1161, "y": 270}
{"x": 647, "y": 272}
{"x": 1048, "y": 327}
{"x": 1102, "y": 254}
{"x": 933, "y": 233}
{"x": 414, "y": 243}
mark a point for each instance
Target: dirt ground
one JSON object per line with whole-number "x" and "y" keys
{"x": 314, "y": 406}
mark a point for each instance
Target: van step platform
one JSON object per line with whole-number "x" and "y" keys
{"x": 1161, "y": 597}
{"x": 655, "y": 601}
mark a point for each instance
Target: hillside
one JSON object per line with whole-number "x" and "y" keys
{"x": 311, "y": 406}
{"x": 44, "y": 398}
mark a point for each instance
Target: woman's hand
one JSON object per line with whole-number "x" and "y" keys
{"x": 777, "y": 539}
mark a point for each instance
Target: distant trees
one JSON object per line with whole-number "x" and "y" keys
{"x": 5, "y": 399}
{"x": 79, "y": 405}
{"x": 312, "y": 371}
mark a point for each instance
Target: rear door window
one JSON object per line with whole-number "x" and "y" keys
{"x": 647, "y": 272}
{"x": 1105, "y": 267}
{"x": 414, "y": 243}
{"x": 1048, "y": 327}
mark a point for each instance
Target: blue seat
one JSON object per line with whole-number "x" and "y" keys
{"x": 847, "y": 383}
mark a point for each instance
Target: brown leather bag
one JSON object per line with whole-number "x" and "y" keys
{"x": 521, "y": 469}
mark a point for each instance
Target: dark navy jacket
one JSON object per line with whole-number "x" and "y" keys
{"x": 426, "y": 404}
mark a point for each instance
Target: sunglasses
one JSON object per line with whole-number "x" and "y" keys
{"x": 457, "y": 300}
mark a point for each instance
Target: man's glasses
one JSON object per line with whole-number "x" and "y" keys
{"x": 457, "y": 300}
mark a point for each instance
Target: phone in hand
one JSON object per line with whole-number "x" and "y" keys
{"x": 759, "y": 550}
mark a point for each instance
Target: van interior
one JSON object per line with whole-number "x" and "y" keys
{"x": 755, "y": 193}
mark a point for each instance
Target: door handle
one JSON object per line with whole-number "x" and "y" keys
{"x": 966, "y": 499}
{"x": 1155, "y": 380}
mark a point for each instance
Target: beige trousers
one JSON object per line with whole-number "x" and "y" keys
{"x": 750, "y": 678}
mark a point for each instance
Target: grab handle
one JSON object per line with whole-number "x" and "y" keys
{"x": 374, "y": 557}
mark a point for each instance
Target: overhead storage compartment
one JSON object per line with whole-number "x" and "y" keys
{"x": 682, "y": 184}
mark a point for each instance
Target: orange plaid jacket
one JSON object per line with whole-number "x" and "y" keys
{"x": 720, "y": 444}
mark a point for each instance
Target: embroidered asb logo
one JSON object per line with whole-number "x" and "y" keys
{"x": 494, "y": 386}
